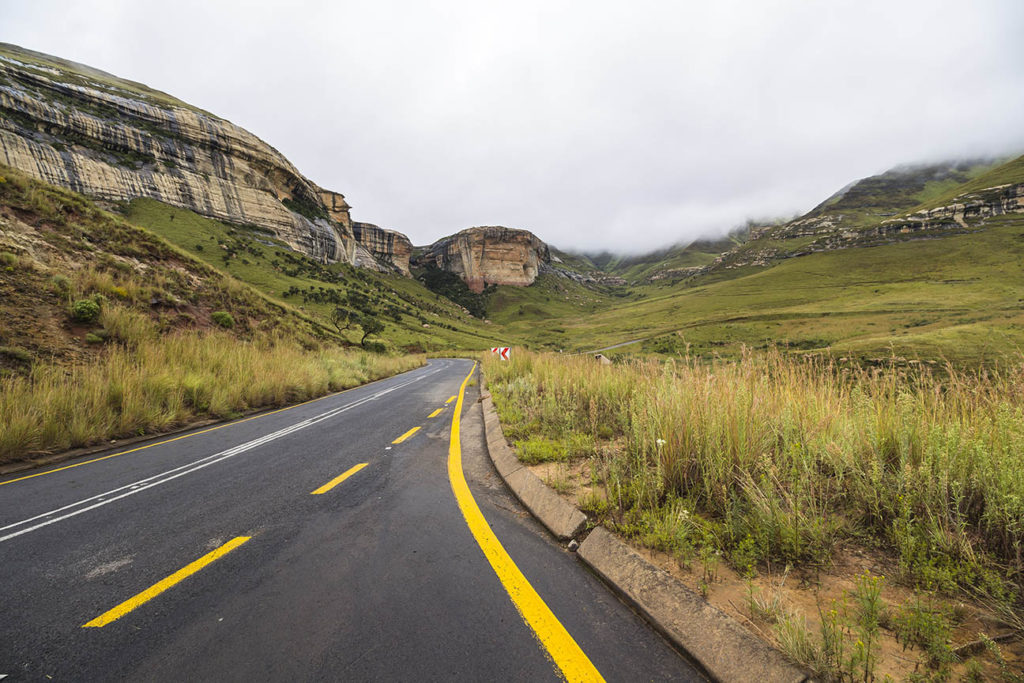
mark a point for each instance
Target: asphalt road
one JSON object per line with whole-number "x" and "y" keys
{"x": 376, "y": 578}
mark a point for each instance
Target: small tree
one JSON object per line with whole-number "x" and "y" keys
{"x": 370, "y": 326}
{"x": 344, "y": 318}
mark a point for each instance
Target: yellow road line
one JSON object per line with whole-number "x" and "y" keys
{"x": 563, "y": 650}
{"x": 158, "y": 588}
{"x": 449, "y": 400}
{"x": 338, "y": 479}
{"x": 435, "y": 413}
{"x": 405, "y": 436}
{"x": 185, "y": 436}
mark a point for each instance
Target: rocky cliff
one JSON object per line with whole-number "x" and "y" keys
{"x": 489, "y": 255}
{"x": 71, "y": 125}
{"x": 386, "y": 247}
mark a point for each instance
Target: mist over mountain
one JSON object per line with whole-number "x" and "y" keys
{"x": 611, "y": 128}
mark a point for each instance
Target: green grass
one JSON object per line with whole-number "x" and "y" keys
{"x": 1006, "y": 173}
{"x": 957, "y": 298}
{"x": 414, "y": 317}
{"x": 780, "y": 460}
{"x": 156, "y": 383}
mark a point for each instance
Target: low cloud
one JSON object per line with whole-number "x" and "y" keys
{"x": 597, "y": 125}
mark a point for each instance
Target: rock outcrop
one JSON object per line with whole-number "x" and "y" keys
{"x": 71, "y": 125}
{"x": 388, "y": 248}
{"x": 833, "y": 225}
{"x": 489, "y": 255}
{"x": 974, "y": 206}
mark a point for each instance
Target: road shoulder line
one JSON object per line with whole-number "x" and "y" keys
{"x": 560, "y": 646}
{"x": 176, "y": 434}
{"x": 708, "y": 636}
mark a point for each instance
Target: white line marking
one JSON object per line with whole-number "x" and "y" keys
{"x": 180, "y": 471}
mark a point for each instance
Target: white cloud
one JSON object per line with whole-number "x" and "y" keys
{"x": 596, "y": 125}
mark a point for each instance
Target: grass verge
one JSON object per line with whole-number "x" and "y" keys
{"x": 163, "y": 382}
{"x": 777, "y": 461}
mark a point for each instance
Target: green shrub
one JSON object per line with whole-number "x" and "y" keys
{"x": 375, "y": 347}
{"x": 539, "y": 449}
{"x": 93, "y": 338}
{"x": 85, "y": 311}
{"x": 223, "y": 318}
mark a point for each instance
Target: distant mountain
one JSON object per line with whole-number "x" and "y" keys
{"x": 673, "y": 262}
{"x": 904, "y": 203}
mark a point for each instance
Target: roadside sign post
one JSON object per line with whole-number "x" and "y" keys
{"x": 502, "y": 351}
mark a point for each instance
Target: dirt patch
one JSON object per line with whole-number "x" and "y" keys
{"x": 806, "y": 596}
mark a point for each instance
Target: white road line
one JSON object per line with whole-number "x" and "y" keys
{"x": 108, "y": 497}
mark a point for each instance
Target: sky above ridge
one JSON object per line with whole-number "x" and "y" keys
{"x": 597, "y": 125}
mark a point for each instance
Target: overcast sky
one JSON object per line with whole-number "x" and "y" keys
{"x": 597, "y": 125}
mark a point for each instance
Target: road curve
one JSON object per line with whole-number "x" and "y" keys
{"x": 312, "y": 543}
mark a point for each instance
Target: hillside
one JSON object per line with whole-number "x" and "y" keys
{"x": 947, "y": 290}
{"x": 907, "y": 202}
{"x": 74, "y": 126}
{"x": 672, "y": 263}
{"x": 108, "y": 331}
{"x": 58, "y": 248}
{"x": 414, "y": 318}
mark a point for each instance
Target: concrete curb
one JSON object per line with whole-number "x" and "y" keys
{"x": 562, "y": 519}
{"x": 713, "y": 639}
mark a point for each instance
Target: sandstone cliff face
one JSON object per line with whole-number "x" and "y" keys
{"x": 73, "y": 126}
{"x": 388, "y": 248}
{"x": 994, "y": 201}
{"x": 490, "y": 255}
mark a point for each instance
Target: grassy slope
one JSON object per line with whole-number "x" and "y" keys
{"x": 902, "y": 188}
{"x": 537, "y": 312}
{"x": 1002, "y": 174}
{"x": 58, "y": 247}
{"x": 867, "y": 202}
{"x": 638, "y": 268}
{"x": 150, "y": 354}
{"x": 273, "y": 269}
{"x": 959, "y": 297}
{"x": 956, "y": 297}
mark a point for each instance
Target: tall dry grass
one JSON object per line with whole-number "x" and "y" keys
{"x": 775, "y": 458}
{"x": 153, "y": 383}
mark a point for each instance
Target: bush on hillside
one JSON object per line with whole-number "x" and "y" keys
{"x": 85, "y": 311}
{"x": 223, "y": 318}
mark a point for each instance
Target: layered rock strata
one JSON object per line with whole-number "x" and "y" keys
{"x": 387, "y": 248}
{"x": 964, "y": 214}
{"x": 73, "y": 126}
{"x": 489, "y": 255}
